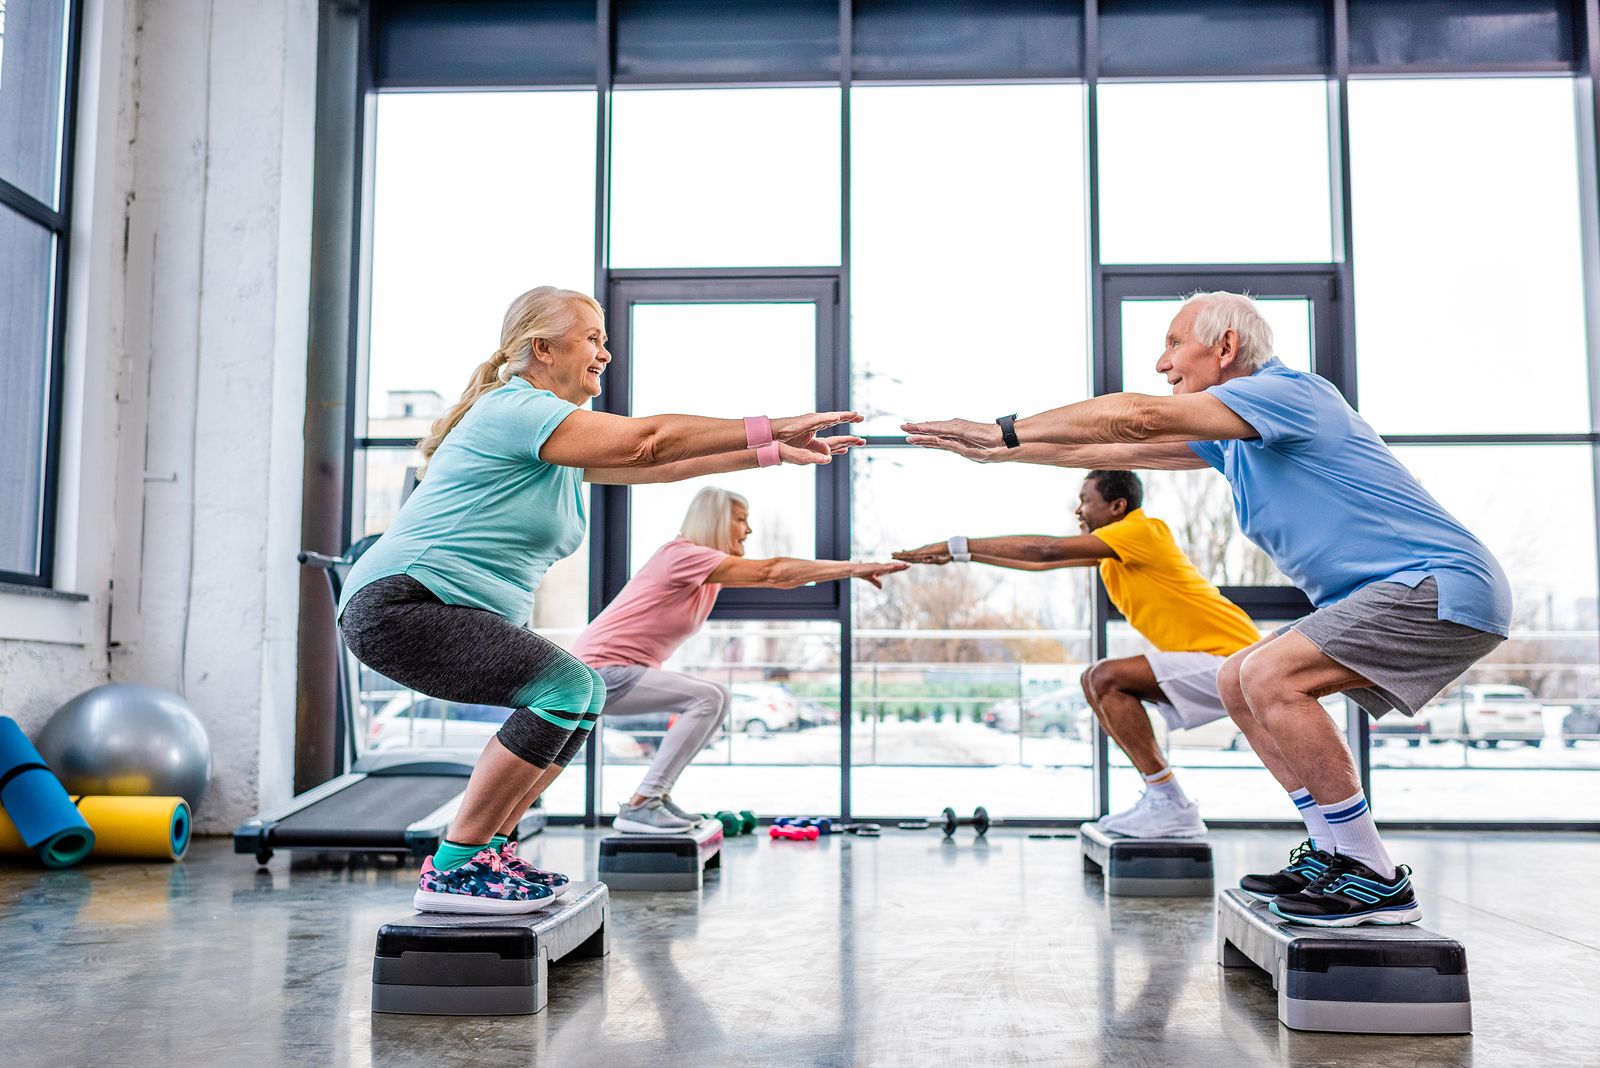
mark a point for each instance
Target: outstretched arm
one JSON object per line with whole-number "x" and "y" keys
{"x": 1023, "y": 552}
{"x": 1114, "y": 419}
{"x": 785, "y": 573}
{"x": 720, "y": 464}
{"x": 1169, "y": 456}
{"x": 599, "y": 439}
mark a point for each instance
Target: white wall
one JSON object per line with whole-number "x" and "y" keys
{"x": 185, "y": 384}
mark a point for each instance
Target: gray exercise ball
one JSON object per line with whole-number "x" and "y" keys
{"x": 128, "y": 739}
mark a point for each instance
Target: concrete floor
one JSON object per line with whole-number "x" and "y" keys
{"x": 905, "y": 950}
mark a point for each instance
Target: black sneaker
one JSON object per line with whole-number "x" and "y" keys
{"x": 1348, "y": 894}
{"x": 1305, "y": 864}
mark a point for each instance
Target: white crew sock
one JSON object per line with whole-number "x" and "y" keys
{"x": 1316, "y": 826}
{"x": 1165, "y": 782}
{"x": 1356, "y": 835}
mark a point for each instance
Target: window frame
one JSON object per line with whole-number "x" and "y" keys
{"x": 57, "y": 221}
{"x": 1337, "y": 363}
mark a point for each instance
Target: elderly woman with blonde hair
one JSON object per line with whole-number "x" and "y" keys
{"x": 441, "y": 602}
{"x": 660, "y": 608}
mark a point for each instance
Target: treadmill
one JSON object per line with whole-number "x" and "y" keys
{"x": 395, "y": 801}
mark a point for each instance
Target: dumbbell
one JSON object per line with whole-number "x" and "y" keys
{"x": 734, "y": 823}
{"x": 948, "y": 821}
{"x": 799, "y": 834}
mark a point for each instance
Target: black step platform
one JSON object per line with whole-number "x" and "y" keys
{"x": 1363, "y": 980}
{"x": 1148, "y": 867}
{"x": 441, "y": 965}
{"x": 661, "y": 861}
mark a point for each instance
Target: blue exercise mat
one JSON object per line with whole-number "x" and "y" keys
{"x": 38, "y": 804}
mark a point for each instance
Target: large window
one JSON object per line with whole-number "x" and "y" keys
{"x": 1470, "y": 261}
{"x": 35, "y": 124}
{"x": 1215, "y": 172}
{"x": 725, "y": 178}
{"x": 968, "y": 250}
{"x": 978, "y": 209}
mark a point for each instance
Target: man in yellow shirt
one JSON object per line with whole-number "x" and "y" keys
{"x": 1166, "y": 599}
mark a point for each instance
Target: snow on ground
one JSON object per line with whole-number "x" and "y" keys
{"x": 918, "y": 768}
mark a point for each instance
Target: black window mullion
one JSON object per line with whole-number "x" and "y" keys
{"x": 36, "y": 210}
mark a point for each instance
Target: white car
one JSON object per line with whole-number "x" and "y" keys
{"x": 1485, "y": 715}
{"x": 411, "y": 720}
{"x": 1218, "y": 734}
{"x": 762, "y": 707}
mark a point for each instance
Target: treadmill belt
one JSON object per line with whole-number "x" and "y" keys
{"x": 371, "y": 813}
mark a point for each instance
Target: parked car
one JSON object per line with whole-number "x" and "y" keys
{"x": 1218, "y": 734}
{"x": 1062, "y": 712}
{"x": 1397, "y": 726}
{"x": 410, "y": 719}
{"x": 1484, "y": 715}
{"x": 1582, "y": 723}
{"x": 762, "y": 707}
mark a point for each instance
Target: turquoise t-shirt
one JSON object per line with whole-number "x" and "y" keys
{"x": 1324, "y": 497}
{"x": 490, "y": 517}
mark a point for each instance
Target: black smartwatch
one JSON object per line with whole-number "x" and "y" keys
{"x": 1008, "y": 430}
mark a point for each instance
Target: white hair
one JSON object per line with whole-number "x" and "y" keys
{"x": 1221, "y": 311}
{"x": 708, "y": 521}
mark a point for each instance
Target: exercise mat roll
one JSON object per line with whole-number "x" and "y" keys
{"x": 45, "y": 819}
{"x": 142, "y": 828}
{"x": 138, "y": 828}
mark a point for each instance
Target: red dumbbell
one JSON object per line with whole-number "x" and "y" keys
{"x": 799, "y": 834}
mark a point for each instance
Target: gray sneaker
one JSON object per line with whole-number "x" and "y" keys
{"x": 668, "y": 804}
{"x": 651, "y": 817}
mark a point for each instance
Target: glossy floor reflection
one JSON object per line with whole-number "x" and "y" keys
{"x": 905, "y": 950}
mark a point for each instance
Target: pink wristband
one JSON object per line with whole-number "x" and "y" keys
{"x": 757, "y": 431}
{"x": 768, "y": 455}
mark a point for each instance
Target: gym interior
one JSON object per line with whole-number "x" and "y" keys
{"x": 250, "y": 255}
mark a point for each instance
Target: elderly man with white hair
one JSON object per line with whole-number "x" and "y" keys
{"x": 1406, "y": 597}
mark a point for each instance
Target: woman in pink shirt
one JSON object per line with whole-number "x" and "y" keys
{"x": 659, "y": 609}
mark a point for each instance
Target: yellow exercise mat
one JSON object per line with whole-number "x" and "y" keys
{"x": 140, "y": 828}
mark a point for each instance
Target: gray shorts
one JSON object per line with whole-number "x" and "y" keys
{"x": 1392, "y": 635}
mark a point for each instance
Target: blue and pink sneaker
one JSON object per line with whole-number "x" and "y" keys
{"x": 483, "y": 885}
{"x": 514, "y": 864}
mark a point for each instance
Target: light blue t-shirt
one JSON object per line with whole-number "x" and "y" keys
{"x": 490, "y": 517}
{"x": 1324, "y": 497}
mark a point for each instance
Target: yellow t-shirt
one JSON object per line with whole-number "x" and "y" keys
{"x": 1164, "y": 595}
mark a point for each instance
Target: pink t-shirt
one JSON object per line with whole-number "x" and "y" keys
{"x": 658, "y": 610}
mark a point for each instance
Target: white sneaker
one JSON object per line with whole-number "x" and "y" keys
{"x": 1156, "y": 815}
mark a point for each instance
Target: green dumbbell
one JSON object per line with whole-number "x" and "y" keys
{"x": 731, "y": 823}
{"x": 749, "y": 821}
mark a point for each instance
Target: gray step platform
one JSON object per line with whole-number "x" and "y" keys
{"x": 1148, "y": 867}
{"x": 434, "y": 964}
{"x": 1363, "y": 980}
{"x": 661, "y": 861}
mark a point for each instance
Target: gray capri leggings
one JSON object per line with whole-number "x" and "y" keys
{"x": 400, "y": 629}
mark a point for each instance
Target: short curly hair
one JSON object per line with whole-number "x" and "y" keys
{"x": 1119, "y": 484}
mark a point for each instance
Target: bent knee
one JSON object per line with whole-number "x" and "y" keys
{"x": 1090, "y": 680}
{"x": 708, "y": 698}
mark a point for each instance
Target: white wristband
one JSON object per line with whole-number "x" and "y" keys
{"x": 958, "y": 549}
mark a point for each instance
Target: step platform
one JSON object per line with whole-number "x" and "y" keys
{"x": 661, "y": 861}
{"x": 1148, "y": 867}
{"x": 1360, "y": 980}
{"x": 434, "y": 964}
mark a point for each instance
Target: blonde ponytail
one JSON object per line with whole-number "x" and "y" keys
{"x": 545, "y": 312}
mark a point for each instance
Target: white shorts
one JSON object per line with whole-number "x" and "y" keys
{"x": 1190, "y": 682}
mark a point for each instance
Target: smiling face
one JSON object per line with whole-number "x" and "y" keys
{"x": 1094, "y": 511}
{"x": 738, "y": 528}
{"x": 570, "y": 366}
{"x": 1190, "y": 366}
